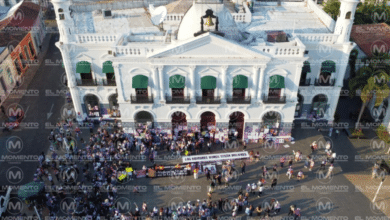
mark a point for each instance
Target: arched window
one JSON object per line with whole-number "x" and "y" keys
{"x": 305, "y": 69}
{"x": 27, "y": 53}
{"x": 60, "y": 10}
{"x": 31, "y": 47}
{"x": 22, "y": 61}
{"x": 327, "y": 68}
{"x": 348, "y": 15}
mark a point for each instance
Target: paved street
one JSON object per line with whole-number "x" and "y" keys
{"x": 336, "y": 197}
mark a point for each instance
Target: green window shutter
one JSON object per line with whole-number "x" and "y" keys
{"x": 306, "y": 67}
{"x": 240, "y": 82}
{"x": 208, "y": 82}
{"x": 140, "y": 82}
{"x": 83, "y": 67}
{"x": 276, "y": 82}
{"x": 107, "y": 67}
{"x": 177, "y": 82}
{"x": 328, "y": 66}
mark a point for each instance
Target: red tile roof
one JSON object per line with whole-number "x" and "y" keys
{"x": 371, "y": 37}
{"x": 16, "y": 27}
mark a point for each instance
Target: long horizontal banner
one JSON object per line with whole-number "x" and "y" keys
{"x": 216, "y": 157}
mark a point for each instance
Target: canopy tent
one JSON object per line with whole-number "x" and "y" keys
{"x": 276, "y": 82}
{"x": 240, "y": 82}
{"x": 177, "y": 82}
{"x": 30, "y": 190}
{"x": 208, "y": 82}
{"x": 140, "y": 82}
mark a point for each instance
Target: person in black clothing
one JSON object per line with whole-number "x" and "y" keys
{"x": 2, "y": 110}
{"x": 220, "y": 204}
{"x": 208, "y": 174}
{"x": 273, "y": 184}
{"x": 219, "y": 177}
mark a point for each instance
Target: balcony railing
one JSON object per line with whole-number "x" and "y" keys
{"x": 109, "y": 82}
{"x": 305, "y": 83}
{"x": 141, "y": 99}
{"x": 274, "y": 100}
{"x": 238, "y": 100}
{"x": 208, "y": 100}
{"x": 86, "y": 82}
{"x": 178, "y": 100}
{"x": 322, "y": 82}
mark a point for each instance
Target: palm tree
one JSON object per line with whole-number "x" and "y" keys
{"x": 371, "y": 84}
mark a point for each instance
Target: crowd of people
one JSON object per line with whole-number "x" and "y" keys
{"x": 105, "y": 156}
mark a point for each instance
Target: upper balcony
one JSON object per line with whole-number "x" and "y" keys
{"x": 208, "y": 100}
{"x": 274, "y": 100}
{"x": 238, "y": 100}
{"x": 178, "y": 100}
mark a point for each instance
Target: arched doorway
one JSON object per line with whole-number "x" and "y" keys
{"x": 237, "y": 122}
{"x": 298, "y": 108}
{"x": 207, "y": 119}
{"x": 178, "y": 120}
{"x": 319, "y": 105}
{"x": 113, "y": 111}
{"x": 144, "y": 118}
{"x": 92, "y": 104}
{"x": 271, "y": 119}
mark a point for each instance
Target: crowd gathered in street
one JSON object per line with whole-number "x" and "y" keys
{"x": 100, "y": 161}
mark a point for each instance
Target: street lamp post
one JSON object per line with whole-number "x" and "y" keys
{"x": 379, "y": 188}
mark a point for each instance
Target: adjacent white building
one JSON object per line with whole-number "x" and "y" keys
{"x": 209, "y": 61}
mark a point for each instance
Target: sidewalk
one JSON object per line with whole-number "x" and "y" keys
{"x": 17, "y": 93}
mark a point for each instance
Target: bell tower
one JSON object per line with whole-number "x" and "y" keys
{"x": 64, "y": 20}
{"x": 345, "y": 20}
{"x": 209, "y": 23}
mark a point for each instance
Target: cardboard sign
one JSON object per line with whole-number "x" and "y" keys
{"x": 141, "y": 173}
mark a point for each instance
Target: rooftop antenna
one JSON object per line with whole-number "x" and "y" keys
{"x": 158, "y": 14}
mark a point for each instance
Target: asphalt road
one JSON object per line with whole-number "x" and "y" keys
{"x": 33, "y": 135}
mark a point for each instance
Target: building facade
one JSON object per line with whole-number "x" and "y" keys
{"x": 208, "y": 62}
{"x": 22, "y": 33}
{"x": 8, "y": 74}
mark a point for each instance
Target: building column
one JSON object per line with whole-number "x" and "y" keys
{"x": 193, "y": 83}
{"x": 71, "y": 79}
{"x": 339, "y": 76}
{"x": 254, "y": 88}
{"x": 294, "y": 92}
{"x": 161, "y": 82}
{"x": 154, "y": 87}
{"x": 223, "y": 81}
{"x": 118, "y": 80}
{"x": 260, "y": 84}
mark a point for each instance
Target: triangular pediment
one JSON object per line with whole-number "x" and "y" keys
{"x": 83, "y": 57}
{"x": 208, "y": 45}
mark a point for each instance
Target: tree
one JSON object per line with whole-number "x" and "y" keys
{"x": 332, "y": 7}
{"x": 383, "y": 134}
{"x": 372, "y": 85}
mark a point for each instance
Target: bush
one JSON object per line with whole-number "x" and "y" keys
{"x": 357, "y": 132}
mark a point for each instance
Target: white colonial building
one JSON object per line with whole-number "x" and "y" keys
{"x": 209, "y": 61}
